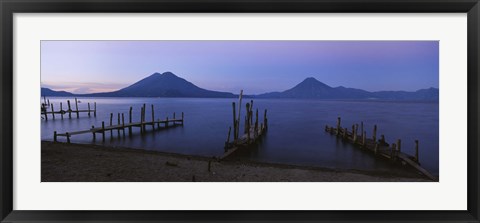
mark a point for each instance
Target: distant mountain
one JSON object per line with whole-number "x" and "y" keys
{"x": 51, "y": 93}
{"x": 169, "y": 85}
{"x": 311, "y": 88}
{"x": 163, "y": 85}
{"x": 430, "y": 94}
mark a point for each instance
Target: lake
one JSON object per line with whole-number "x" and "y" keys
{"x": 296, "y": 132}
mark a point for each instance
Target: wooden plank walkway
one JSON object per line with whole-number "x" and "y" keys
{"x": 121, "y": 125}
{"x": 253, "y": 131}
{"x": 243, "y": 142}
{"x": 48, "y": 109}
{"x": 379, "y": 147}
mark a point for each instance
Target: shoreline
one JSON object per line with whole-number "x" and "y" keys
{"x": 62, "y": 162}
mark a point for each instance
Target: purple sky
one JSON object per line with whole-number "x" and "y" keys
{"x": 255, "y": 66}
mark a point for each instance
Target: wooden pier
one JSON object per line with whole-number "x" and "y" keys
{"x": 378, "y": 147}
{"x": 121, "y": 126}
{"x": 48, "y": 109}
{"x": 253, "y": 131}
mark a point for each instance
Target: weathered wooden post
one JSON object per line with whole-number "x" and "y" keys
{"x": 48, "y": 101}
{"x": 93, "y": 133}
{"x": 247, "y": 123}
{"x": 376, "y": 148}
{"x": 53, "y": 112}
{"x": 123, "y": 125}
{"x": 153, "y": 118}
{"x": 69, "y": 109}
{"x": 182, "y": 118}
{"x": 44, "y": 100}
{"x": 256, "y": 123}
{"x": 55, "y": 136}
{"x": 44, "y": 110}
{"x": 416, "y": 151}
{"x": 130, "y": 121}
{"x": 251, "y": 113}
{"x": 234, "y": 122}
{"x": 374, "y": 137}
{"x": 392, "y": 151}
{"x": 364, "y": 138}
{"x": 399, "y": 145}
{"x": 118, "y": 123}
{"x": 103, "y": 131}
{"x": 353, "y": 133}
{"x": 265, "y": 120}
{"x": 94, "y": 109}
{"x": 88, "y": 109}
{"x": 355, "y": 136}
{"x": 141, "y": 120}
{"x": 345, "y": 131}
{"x": 61, "y": 110}
{"x": 245, "y": 127}
{"x": 338, "y": 125}
{"x": 144, "y": 118}
{"x": 239, "y": 111}
{"x": 68, "y": 137}
{"x": 76, "y": 108}
{"x": 228, "y": 136}
{"x": 111, "y": 130}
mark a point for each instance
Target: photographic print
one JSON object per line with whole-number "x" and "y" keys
{"x": 239, "y": 111}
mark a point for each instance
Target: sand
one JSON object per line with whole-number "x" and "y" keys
{"x": 62, "y": 162}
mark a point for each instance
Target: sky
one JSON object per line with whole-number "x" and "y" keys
{"x": 254, "y": 66}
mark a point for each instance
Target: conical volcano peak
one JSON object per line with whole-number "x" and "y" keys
{"x": 169, "y": 74}
{"x": 309, "y": 79}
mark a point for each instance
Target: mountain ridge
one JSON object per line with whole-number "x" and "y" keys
{"x": 168, "y": 84}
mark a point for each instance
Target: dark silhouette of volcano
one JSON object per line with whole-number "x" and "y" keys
{"x": 311, "y": 88}
{"x": 164, "y": 85}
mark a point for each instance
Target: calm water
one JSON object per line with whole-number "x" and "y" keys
{"x": 295, "y": 136}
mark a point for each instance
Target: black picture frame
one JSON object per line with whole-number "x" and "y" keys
{"x": 9, "y": 7}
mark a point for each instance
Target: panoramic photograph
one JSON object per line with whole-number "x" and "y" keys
{"x": 239, "y": 111}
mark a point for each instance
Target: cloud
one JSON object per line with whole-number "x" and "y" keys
{"x": 83, "y": 88}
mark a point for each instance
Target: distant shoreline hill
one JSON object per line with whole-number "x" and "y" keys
{"x": 51, "y": 93}
{"x": 170, "y": 85}
{"x": 311, "y": 88}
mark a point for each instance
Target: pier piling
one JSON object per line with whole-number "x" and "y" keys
{"x": 153, "y": 117}
{"x": 61, "y": 110}
{"x": 118, "y": 123}
{"x": 130, "y": 121}
{"x": 53, "y": 113}
{"x": 69, "y": 109}
{"x": 381, "y": 148}
{"x": 76, "y": 107}
{"x": 111, "y": 123}
{"x": 416, "y": 151}
{"x": 103, "y": 131}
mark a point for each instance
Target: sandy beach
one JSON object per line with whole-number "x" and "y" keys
{"x": 62, "y": 162}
